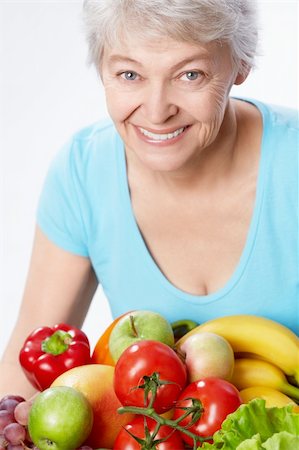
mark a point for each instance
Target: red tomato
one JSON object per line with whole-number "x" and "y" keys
{"x": 145, "y": 358}
{"x": 126, "y": 442}
{"x": 218, "y": 398}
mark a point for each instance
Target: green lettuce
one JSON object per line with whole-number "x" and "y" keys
{"x": 254, "y": 427}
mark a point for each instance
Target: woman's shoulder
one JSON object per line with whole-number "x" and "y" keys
{"x": 284, "y": 117}
{"x": 278, "y": 115}
{"x": 275, "y": 115}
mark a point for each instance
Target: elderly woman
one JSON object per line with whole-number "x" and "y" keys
{"x": 185, "y": 202}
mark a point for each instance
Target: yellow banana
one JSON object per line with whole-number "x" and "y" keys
{"x": 257, "y": 335}
{"x": 250, "y": 372}
{"x": 271, "y": 396}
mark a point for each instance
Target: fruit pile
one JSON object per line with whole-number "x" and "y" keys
{"x": 163, "y": 386}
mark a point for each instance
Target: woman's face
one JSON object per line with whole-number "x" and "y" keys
{"x": 167, "y": 99}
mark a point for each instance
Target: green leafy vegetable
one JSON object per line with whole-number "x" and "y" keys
{"x": 254, "y": 427}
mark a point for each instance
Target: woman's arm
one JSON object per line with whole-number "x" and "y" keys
{"x": 59, "y": 288}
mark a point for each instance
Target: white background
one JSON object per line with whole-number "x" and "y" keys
{"x": 47, "y": 92}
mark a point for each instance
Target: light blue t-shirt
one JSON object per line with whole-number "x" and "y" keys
{"x": 85, "y": 208}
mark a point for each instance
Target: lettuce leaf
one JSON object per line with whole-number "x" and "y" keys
{"x": 282, "y": 441}
{"x": 254, "y": 427}
{"x": 279, "y": 441}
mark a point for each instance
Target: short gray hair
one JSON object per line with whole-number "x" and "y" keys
{"x": 196, "y": 21}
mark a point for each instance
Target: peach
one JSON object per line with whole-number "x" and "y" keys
{"x": 207, "y": 355}
{"x": 95, "y": 381}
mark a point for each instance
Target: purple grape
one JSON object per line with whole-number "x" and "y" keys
{"x": 9, "y": 404}
{"x": 19, "y": 398}
{"x": 14, "y": 433}
{"x": 21, "y": 412}
{"x": 84, "y": 447}
{"x": 5, "y": 419}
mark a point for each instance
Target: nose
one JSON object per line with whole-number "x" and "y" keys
{"x": 158, "y": 104}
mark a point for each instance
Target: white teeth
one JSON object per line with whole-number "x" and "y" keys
{"x": 161, "y": 137}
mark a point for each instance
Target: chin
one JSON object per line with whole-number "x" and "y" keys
{"x": 164, "y": 163}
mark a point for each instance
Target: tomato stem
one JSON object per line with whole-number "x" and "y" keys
{"x": 150, "y": 412}
{"x": 150, "y": 386}
{"x": 156, "y": 430}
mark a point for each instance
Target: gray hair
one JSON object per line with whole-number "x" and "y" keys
{"x": 196, "y": 21}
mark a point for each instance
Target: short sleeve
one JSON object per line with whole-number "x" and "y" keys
{"x": 60, "y": 212}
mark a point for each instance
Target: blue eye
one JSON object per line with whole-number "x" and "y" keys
{"x": 192, "y": 75}
{"x": 129, "y": 75}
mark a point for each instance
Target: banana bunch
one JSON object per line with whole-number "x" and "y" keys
{"x": 259, "y": 376}
{"x": 266, "y": 356}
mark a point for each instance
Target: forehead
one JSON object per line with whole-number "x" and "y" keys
{"x": 166, "y": 49}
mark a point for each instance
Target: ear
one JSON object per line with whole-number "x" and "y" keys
{"x": 242, "y": 73}
{"x": 240, "y": 78}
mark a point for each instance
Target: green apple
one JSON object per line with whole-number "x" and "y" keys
{"x": 207, "y": 355}
{"x": 60, "y": 419}
{"x": 137, "y": 326}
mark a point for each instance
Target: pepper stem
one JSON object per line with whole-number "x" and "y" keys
{"x": 57, "y": 343}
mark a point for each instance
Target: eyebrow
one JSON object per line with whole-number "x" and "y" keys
{"x": 120, "y": 58}
{"x": 125, "y": 59}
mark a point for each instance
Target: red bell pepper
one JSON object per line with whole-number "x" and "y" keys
{"x": 49, "y": 351}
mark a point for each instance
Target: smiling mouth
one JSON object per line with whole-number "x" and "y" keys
{"x": 161, "y": 136}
